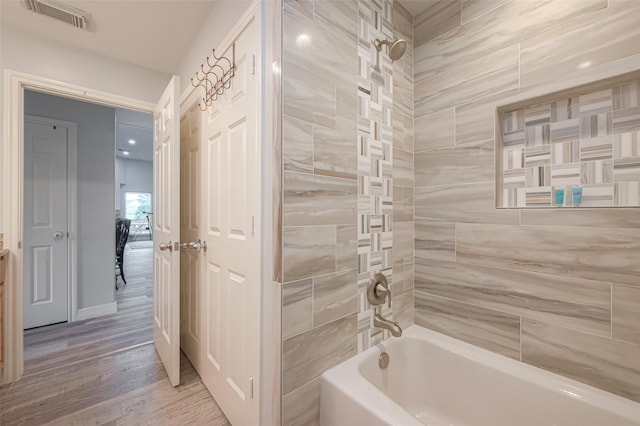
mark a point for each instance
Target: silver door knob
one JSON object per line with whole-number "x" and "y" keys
{"x": 58, "y": 235}
{"x": 166, "y": 246}
{"x": 198, "y": 246}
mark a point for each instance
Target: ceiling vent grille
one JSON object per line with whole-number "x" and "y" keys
{"x": 62, "y": 12}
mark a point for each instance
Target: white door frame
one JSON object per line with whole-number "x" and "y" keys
{"x": 13, "y": 192}
{"x": 72, "y": 208}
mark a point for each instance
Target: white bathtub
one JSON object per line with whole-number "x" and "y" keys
{"x": 435, "y": 380}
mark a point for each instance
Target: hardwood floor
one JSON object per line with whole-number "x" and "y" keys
{"x": 105, "y": 371}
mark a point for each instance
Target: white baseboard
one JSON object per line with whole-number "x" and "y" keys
{"x": 97, "y": 311}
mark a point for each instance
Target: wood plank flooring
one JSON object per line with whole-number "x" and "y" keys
{"x": 105, "y": 371}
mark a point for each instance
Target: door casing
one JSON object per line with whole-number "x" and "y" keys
{"x": 15, "y": 83}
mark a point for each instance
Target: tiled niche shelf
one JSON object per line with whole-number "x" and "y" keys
{"x": 583, "y": 141}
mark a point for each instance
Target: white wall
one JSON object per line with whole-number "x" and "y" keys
{"x": 24, "y": 53}
{"x": 132, "y": 176}
{"x": 221, "y": 20}
{"x": 96, "y": 177}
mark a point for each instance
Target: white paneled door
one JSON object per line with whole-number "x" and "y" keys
{"x": 166, "y": 249}
{"x": 191, "y": 258}
{"x": 45, "y": 289}
{"x": 231, "y": 277}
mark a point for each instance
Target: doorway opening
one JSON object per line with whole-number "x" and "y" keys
{"x": 87, "y": 167}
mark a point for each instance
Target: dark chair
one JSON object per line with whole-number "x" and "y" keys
{"x": 122, "y": 235}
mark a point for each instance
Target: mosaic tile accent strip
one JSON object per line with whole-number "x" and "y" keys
{"x": 590, "y": 141}
{"x": 375, "y": 161}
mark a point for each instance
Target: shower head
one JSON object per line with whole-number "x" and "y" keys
{"x": 396, "y": 48}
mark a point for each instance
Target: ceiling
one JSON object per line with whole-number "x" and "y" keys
{"x": 136, "y": 126}
{"x": 416, "y": 6}
{"x": 133, "y": 31}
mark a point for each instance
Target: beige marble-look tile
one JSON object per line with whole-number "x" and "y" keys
{"x": 346, "y": 247}
{"x": 492, "y": 330}
{"x": 403, "y": 168}
{"x": 409, "y": 274}
{"x": 303, "y": 7}
{"x": 403, "y": 240}
{"x": 403, "y": 308}
{"x": 503, "y": 26}
{"x": 307, "y": 96}
{"x": 476, "y": 121}
{"x": 468, "y": 163}
{"x": 402, "y": 204}
{"x": 600, "y": 218}
{"x": 297, "y": 144}
{"x": 565, "y": 301}
{"x": 302, "y": 406}
{"x": 398, "y": 119}
{"x": 335, "y": 150}
{"x": 308, "y": 251}
{"x": 470, "y": 81}
{"x": 471, "y": 9}
{"x": 341, "y": 15}
{"x": 318, "y": 200}
{"x": 605, "y": 254}
{"x": 564, "y": 49}
{"x": 297, "y": 307}
{"x": 402, "y": 110}
{"x": 604, "y": 363}
{"x": 434, "y": 130}
{"x": 397, "y": 284}
{"x": 434, "y": 241}
{"x": 402, "y": 20}
{"x": 331, "y": 46}
{"x": 307, "y": 355}
{"x": 626, "y": 313}
{"x": 438, "y": 18}
{"x": 468, "y": 203}
{"x": 334, "y": 296}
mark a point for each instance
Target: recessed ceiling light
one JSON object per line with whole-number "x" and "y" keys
{"x": 132, "y": 142}
{"x": 125, "y": 152}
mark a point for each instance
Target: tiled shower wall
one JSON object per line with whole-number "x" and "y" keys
{"x": 340, "y": 122}
{"x": 558, "y": 289}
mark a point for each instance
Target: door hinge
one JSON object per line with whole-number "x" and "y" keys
{"x": 251, "y": 388}
{"x": 253, "y": 226}
{"x": 253, "y": 64}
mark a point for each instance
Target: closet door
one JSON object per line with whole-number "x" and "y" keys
{"x": 166, "y": 229}
{"x": 231, "y": 198}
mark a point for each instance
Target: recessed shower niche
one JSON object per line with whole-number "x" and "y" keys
{"x": 575, "y": 148}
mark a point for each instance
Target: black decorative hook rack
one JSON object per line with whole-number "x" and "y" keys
{"x": 213, "y": 84}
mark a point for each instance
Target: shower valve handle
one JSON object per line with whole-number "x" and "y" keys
{"x": 384, "y": 292}
{"x": 378, "y": 290}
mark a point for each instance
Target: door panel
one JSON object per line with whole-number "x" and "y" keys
{"x": 190, "y": 260}
{"x": 230, "y": 364}
{"x": 45, "y": 289}
{"x": 166, "y": 190}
